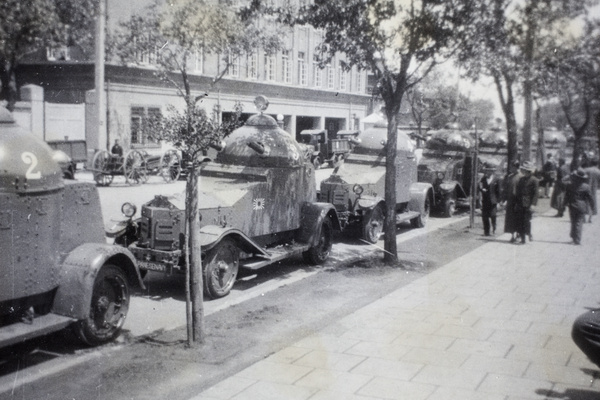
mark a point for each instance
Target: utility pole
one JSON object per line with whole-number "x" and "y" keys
{"x": 99, "y": 139}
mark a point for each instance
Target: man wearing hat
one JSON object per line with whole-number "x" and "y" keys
{"x": 510, "y": 195}
{"x": 526, "y": 197}
{"x": 578, "y": 198}
{"x": 489, "y": 189}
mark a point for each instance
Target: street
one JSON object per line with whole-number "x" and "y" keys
{"x": 259, "y": 311}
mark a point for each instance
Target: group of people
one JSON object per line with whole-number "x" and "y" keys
{"x": 575, "y": 190}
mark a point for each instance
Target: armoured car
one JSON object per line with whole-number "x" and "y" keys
{"x": 57, "y": 270}
{"x": 447, "y": 164}
{"x": 357, "y": 187}
{"x": 257, "y": 205}
{"x": 326, "y": 150}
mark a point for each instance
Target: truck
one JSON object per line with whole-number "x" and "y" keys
{"x": 357, "y": 187}
{"x": 257, "y": 205}
{"x": 326, "y": 150}
{"x": 57, "y": 269}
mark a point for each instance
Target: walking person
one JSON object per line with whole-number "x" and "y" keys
{"x": 593, "y": 172}
{"x": 526, "y": 198}
{"x": 558, "y": 194}
{"x": 510, "y": 196}
{"x": 548, "y": 174}
{"x": 578, "y": 198}
{"x": 489, "y": 188}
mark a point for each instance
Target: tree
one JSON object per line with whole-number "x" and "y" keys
{"x": 169, "y": 35}
{"x": 399, "y": 44}
{"x": 572, "y": 74}
{"x": 28, "y": 26}
{"x": 506, "y": 43}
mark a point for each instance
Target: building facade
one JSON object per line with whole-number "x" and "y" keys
{"x": 301, "y": 93}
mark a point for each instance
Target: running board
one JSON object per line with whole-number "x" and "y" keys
{"x": 41, "y": 325}
{"x": 275, "y": 254}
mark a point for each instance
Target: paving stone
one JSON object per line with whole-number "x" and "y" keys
{"x": 274, "y": 391}
{"x": 496, "y": 365}
{"x": 511, "y": 386}
{"x": 228, "y": 388}
{"x": 386, "y": 388}
{"x": 329, "y": 360}
{"x": 336, "y": 381}
{"x": 274, "y": 372}
{"x": 449, "y": 377}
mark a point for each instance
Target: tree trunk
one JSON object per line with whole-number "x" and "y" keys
{"x": 598, "y": 133}
{"x": 196, "y": 281}
{"x": 528, "y": 84}
{"x": 391, "y": 248}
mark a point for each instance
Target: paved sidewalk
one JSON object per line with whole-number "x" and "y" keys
{"x": 492, "y": 324}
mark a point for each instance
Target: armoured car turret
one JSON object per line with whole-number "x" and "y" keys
{"x": 56, "y": 267}
{"x": 357, "y": 187}
{"x": 257, "y": 205}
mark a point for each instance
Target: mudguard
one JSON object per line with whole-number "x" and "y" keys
{"x": 368, "y": 202}
{"x": 79, "y": 270}
{"x": 419, "y": 192}
{"x": 448, "y": 187}
{"x": 312, "y": 217}
{"x": 210, "y": 235}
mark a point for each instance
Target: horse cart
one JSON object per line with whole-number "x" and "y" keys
{"x": 135, "y": 166}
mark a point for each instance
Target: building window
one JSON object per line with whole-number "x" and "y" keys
{"x": 270, "y": 64}
{"x": 330, "y": 77}
{"x": 234, "y": 65}
{"x": 302, "y": 73}
{"x": 253, "y": 66}
{"x": 317, "y": 73}
{"x": 141, "y": 124}
{"x": 199, "y": 61}
{"x": 359, "y": 86}
{"x": 286, "y": 66}
{"x": 343, "y": 78}
{"x": 61, "y": 53}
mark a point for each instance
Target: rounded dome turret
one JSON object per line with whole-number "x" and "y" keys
{"x": 26, "y": 162}
{"x": 261, "y": 143}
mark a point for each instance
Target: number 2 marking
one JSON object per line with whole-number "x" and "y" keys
{"x": 30, "y": 159}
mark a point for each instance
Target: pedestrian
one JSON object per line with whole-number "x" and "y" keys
{"x": 548, "y": 174}
{"x": 117, "y": 149}
{"x": 489, "y": 187}
{"x": 578, "y": 198}
{"x": 586, "y": 335}
{"x": 526, "y": 198}
{"x": 558, "y": 194}
{"x": 594, "y": 180}
{"x": 510, "y": 196}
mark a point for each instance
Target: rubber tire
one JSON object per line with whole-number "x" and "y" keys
{"x": 110, "y": 297}
{"x": 449, "y": 207}
{"x": 377, "y": 216}
{"x": 421, "y": 220}
{"x": 318, "y": 254}
{"x": 222, "y": 261}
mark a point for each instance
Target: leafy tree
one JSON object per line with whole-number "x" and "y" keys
{"x": 28, "y": 26}
{"x": 398, "y": 43}
{"x": 572, "y": 74}
{"x": 169, "y": 35}
{"x": 506, "y": 43}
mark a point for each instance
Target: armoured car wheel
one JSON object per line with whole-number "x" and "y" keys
{"x": 134, "y": 168}
{"x": 221, "y": 269}
{"x": 170, "y": 166}
{"x": 108, "y": 309}
{"x": 373, "y": 224}
{"x": 318, "y": 253}
{"x": 100, "y": 168}
{"x": 421, "y": 220}
{"x": 449, "y": 207}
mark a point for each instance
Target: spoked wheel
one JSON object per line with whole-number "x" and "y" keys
{"x": 319, "y": 252}
{"x": 170, "y": 166}
{"x": 221, "y": 268}
{"x": 102, "y": 175}
{"x": 373, "y": 226}
{"x": 421, "y": 220}
{"x": 108, "y": 309}
{"x": 134, "y": 168}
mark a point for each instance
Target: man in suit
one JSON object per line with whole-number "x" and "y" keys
{"x": 593, "y": 172}
{"x": 489, "y": 188}
{"x": 579, "y": 200}
{"x": 526, "y": 198}
{"x": 510, "y": 196}
{"x": 558, "y": 194}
